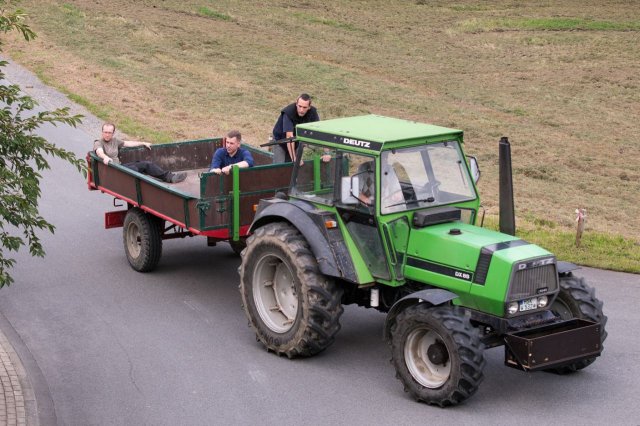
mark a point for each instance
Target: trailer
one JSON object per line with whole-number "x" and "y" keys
{"x": 218, "y": 207}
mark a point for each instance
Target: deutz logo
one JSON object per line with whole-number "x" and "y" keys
{"x": 536, "y": 263}
{"x": 356, "y": 142}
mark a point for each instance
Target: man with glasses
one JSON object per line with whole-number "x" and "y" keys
{"x": 108, "y": 149}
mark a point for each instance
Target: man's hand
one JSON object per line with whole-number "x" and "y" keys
{"x": 225, "y": 170}
{"x": 147, "y": 145}
{"x": 106, "y": 160}
{"x": 326, "y": 158}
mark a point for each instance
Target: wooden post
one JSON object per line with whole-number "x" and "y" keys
{"x": 582, "y": 214}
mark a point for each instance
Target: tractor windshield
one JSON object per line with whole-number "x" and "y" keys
{"x": 424, "y": 176}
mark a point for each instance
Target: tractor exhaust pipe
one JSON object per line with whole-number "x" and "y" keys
{"x": 507, "y": 215}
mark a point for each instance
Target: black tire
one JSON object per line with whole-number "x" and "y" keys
{"x": 577, "y": 300}
{"x": 238, "y": 246}
{"x": 293, "y": 308}
{"x": 142, "y": 237}
{"x": 437, "y": 354}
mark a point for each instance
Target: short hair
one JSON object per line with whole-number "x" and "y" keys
{"x": 234, "y": 134}
{"x": 305, "y": 97}
{"x": 109, "y": 124}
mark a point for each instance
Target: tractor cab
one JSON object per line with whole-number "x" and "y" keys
{"x": 382, "y": 172}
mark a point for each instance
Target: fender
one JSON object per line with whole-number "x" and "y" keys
{"x": 565, "y": 267}
{"x": 432, "y": 296}
{"x": 301, "y": 215}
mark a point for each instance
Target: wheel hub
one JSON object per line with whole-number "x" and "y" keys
{"x": 275, "y": 294}
{"x": 427, "y": 358}
{"x": 133, "y": 240}
{"x": 437, "y": 353}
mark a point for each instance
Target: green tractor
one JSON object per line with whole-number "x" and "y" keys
{"x": 389, "y": 223}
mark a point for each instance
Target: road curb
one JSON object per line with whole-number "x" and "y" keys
{"x": 23, "y": 385}
{"x": 13, "y": 395}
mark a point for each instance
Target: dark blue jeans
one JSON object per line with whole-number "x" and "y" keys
{"x": 149, "y": 168}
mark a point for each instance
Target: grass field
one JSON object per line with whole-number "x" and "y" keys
{"x": 560, "y": 79}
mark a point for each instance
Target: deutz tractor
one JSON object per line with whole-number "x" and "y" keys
{"x": 390, "y": 223}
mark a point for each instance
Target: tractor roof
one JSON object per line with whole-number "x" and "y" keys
{"x": 373, "y": 132}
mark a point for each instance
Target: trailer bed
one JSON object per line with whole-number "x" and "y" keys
{"x": 216, "y": 206}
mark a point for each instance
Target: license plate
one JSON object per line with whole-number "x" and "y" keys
{"x": 528, "y": 304}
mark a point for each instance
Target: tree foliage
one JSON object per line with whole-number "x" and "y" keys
{"x": 23, "y": 155}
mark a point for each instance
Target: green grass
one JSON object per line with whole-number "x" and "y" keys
{"x": 547, "y": 24}
{"x": 596, "y": 249}
{"x": 209, "y": 13}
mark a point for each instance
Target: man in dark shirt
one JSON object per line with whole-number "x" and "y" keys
{"x": 225, "y": 158}
{"x": 108, "y": 149}
{"x": 301, "y": 111}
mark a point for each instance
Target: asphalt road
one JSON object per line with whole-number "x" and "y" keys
{"x": 105, "y": 345}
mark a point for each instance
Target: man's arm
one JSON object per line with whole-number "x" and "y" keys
{"x": 216, "y": 161}
{"x": 133, "y": 144}
{"x": 287, "y": 129}
{"x": 104, "y": 157}
{"x": 247, "y": 159}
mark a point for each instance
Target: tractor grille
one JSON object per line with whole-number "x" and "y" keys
{"x": 533, "y": 281}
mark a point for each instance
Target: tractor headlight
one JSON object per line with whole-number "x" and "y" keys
{"x": 512, "y": 308}
{"x": 542, "y": 301}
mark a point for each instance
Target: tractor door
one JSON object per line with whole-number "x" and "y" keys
{"x": 356, "y": 175}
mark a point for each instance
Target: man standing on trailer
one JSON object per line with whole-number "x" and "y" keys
{"x": 301, "y": 111}
{"x": 108, "y": 149}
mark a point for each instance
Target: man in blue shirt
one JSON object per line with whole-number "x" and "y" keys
{"x": 225, "y": 158}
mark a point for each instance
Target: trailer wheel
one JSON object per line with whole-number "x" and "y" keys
{"x": 577, "y": 300}
{"x": 238, "y": 246}
{"x": 292, "y": 307}
{"x": 142, "y": 236}
{"x": 437, "y": 354}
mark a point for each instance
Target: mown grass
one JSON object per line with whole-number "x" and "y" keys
{"x": 324, "y": 21}
{"x": 559, "y": 79}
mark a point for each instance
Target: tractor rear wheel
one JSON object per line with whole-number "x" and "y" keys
{"x": 142, "y": 237}
{"x": 437, "y": 354}
{"x": 577, "y": 300}
{"x": 293, "y": 308}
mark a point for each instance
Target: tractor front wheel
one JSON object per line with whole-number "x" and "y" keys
{"x": 437, "y": 354}
{"x": 293, "y": 308}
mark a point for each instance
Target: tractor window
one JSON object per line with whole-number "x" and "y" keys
{"x": 357, "y": 181}
{"x": 314, "y": 179}
{"x": 424, "y": 176}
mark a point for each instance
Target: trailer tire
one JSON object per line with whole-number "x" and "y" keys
{"x": 142, "y": 237}
{"x": 577, "y": 300}
{"x": 292, "y": 307}
{"x": 437, "y": 354}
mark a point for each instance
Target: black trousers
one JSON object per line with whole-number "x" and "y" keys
{"x": 149, "y": 168}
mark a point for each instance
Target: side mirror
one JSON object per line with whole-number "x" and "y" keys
{"x": 475, "y": 169}
{"x": 348, "y": 184}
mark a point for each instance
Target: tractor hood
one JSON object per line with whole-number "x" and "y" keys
{"x": 455, "y": 254}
